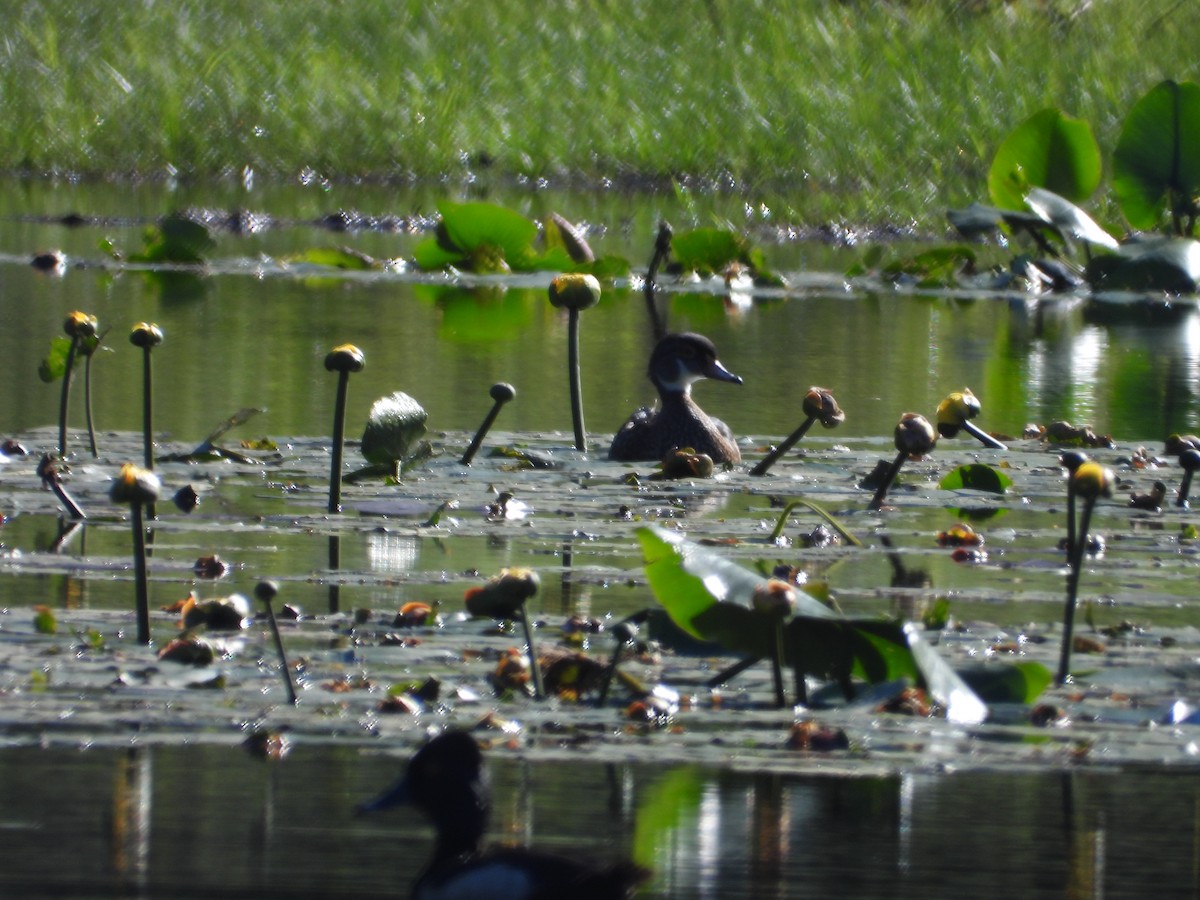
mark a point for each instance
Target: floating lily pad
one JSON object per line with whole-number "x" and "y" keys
{"x": 976, "y": 477}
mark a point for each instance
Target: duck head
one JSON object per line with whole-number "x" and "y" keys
{"x": 679, "y": 360}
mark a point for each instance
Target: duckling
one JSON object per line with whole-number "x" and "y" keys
{"x": 447, "y": 780}
{"x": 650, "y": 434}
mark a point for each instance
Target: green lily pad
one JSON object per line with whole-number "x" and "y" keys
{"x": 976, "y": 477}
{"x": 1019, "y": 682}
{"x": 1049, "y": 150}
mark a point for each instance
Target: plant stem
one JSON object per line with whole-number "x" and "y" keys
{"x": 982, "y": 436}
{"x": 339, "y": 435}
{"x": 877, "y": 500}
{"x": 65, "y": 397}
{"x": 147, "y": 419}
{"x": 576, "y": 386}
{"x": 266, "y": 592}
{"x": 87, "y": 405}
{"x": 1076, "y": 564}
{"x": 771, "y": 458}
{"x": 139, "y": 574}
{"x": 535, "y": 671}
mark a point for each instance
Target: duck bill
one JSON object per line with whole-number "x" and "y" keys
{"x": 720, "y": 373}
{"x": 397, "y": 795}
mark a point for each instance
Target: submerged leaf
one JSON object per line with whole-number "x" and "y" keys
{"x": 976, "y": 477}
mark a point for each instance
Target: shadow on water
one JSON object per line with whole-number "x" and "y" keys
{"x": 204, "y": 821}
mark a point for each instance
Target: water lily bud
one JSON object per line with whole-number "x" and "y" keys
{"x": 135, "y": 485}
{"x": 820, "y": 405}
{"x": 1093, "y": 480}
{"x": 146, "y": 334}
{"x": 345, "y": 358}
{"x": 914, "y": 435}
{"x": 502, "y": 392}
{"x": 502, "y": 595}
{"x": 957, "y": 408}
{"x": 80, "y": 325}
{"x": 574, "y": 291}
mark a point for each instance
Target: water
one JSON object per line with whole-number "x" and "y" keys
{"x": 212, "y": 821}
{"x": 254, "y": 338}
{"x": 713, "y": 807}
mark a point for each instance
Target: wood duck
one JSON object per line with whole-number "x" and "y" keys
{"x": 447, "y": 780}
{"x": 650, "y": 434}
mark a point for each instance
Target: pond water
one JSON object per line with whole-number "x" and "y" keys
{"x": 1100, "y": 806}
{"x": 162, "y": 821}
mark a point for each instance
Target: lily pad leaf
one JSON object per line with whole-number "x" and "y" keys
{"x": 393, "y": 425}
{"x": 1067, "y": 218}
{"x": 712, "y": 599}
{"x": 337, "y": 258}
{"x": 976, "y": 477}
{"x": 1049, "y": 150}
{"x": 431, "y": 256}
{"x": 1162, "y": 264}
{"x": 1158, "y": 154}
{"x": 1020, "y": 682}
{"x": 176, "y": 239}
{"x": 54, "y": 366}
{"x": 709, "y": 249}
{"x": 474, "y": 226}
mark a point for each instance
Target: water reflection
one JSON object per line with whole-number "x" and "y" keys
{"x": 214, "y": 820}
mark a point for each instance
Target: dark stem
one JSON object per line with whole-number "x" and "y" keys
{"x": 476, "y": 441}
{"x": 335, "y": 563}
{"x": 147, "y": 420}
{"x": 283, "y": 663}
{"x": 1070, "y": 516}
{"x": 576, "y": 386}
{"x": 539, "y": 689}
{"x": 139, "y": 574}
{"x": 1185, "y": 487}
{"x": 982, "y": 436}
{"x": 877, "y": 500}
{"x": 733, "y": 671}
{"x": 65, "y": 499}
{"x": 771, "y": 458}
{"x": 777, "y": 664}
{"x": 87, "y": 405}
{"x": 339, "y": 435}
{"x": 1076, "y": 564}
{"x": 65, "y": 398}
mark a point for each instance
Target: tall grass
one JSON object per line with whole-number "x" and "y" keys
{"x": 830, "y": 108}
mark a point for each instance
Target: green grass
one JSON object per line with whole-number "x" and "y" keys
{"x": 842, "y": 110}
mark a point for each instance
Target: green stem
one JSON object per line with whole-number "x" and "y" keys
{"x": 539, "y": 689}
{"x": 787, "y": 511}
{"x": 87, "y": 405}
{"x": 982, "y": 436}
{"x": 576, "y": 386}
{"x": 147, "y": 419}
{"x": 65, "y": 398}
{"x": 1076, "y": 564}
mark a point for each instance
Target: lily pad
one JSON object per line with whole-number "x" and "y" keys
{"x": 976, "y": 477}
{"x": 1049, "y": 150}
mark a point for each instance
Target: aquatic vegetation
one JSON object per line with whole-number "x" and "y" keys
{"x": 139, "y": 488}
{"x": 504, "y": 597}
{"x": 82, "y": 337}
{"x": 485, "y": 238}
{"x": 266, "y": 591}
{"x": 713, "y": 599}
{"x": 1049, "y": 150}
{"x": 1090, "y": 481}
{"x": 575, "y": 293}
{"x": 344, "y": 360}
{"x": 501, "y": 393}
{"x": 391, "y": 439}
{"x": 818, "y": 405}
{"x": 913, "y": 437}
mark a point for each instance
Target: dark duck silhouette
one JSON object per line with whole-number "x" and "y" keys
{"x": 677, "y": 362}
{"x": 447, "y": 780}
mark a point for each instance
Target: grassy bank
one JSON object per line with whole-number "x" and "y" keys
{"x": 830, "y": 110}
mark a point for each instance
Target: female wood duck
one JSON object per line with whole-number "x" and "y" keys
{"x": 650, "y": 434}
{"x": 446, "y": 779}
